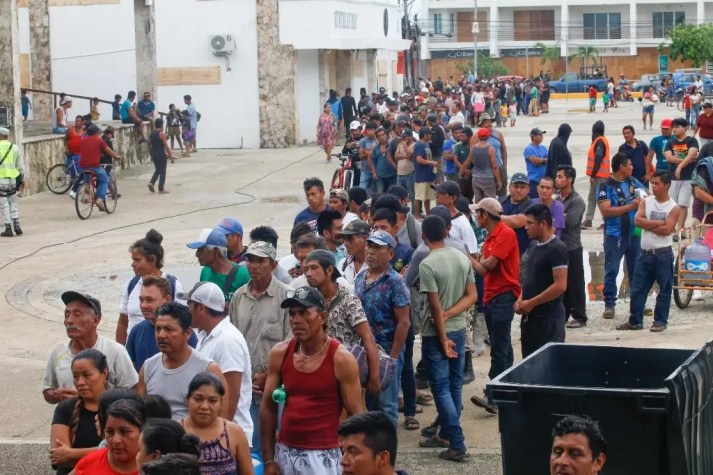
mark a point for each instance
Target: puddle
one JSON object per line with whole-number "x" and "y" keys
{"x": 594, "y": 277}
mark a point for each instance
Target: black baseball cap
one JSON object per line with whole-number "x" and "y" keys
{"x": 398, "y": 191}
{"x": 443, "y": 212}
{"x": 326, "y": 258}
{"x": 537, "y": 131}
{"x": 407, "y": 133}
{"x": 72, "y": 296}
{"x": 391, "y": 202}
{"x": 423, "y": 131}
{"x": 519, "y": 178}
{"x": 355, "y": 226}
{"x": 305, "y": 297}
{"x": 431, "y": 118}
{"x": 449, "y": 187}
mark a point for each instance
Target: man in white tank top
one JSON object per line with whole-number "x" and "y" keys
{"x": 657, "y": 217}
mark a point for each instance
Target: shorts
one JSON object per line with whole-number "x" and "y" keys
{"x": 592, "y": 102}
{"x": 174, "y": 131}
{"x": 648, "y": 110}
{"x": 296, "y": 461}
{"x": 680, "y": 192}
{"x": 424, "y": 192}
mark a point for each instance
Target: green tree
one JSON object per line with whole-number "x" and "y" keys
{"x": 550, "y": 54}
{"x": 487, "y": 67}
{"x": 690, "y": 43}
{"x": 584, "y": 54}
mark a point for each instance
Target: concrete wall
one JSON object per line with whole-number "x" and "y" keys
{"x": 230, "y": 109}
{"x": 42, "y": 152}
{"x": 307, "y": 95}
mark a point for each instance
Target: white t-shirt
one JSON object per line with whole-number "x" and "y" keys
{"x": 58, "y": 373}
{"x": 348, "y": 218}
{"x": 130, "y": 303}
{"x": 463, "y": 232}
{"x": 288, "y": 262}
{"x": 656, "y": 211}
{"x": 349, "y": 272}
{"x": 227, "y": 347}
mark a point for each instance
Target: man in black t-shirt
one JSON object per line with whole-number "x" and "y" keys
{"x": 540, "y": 304}
{"x": 680, "y": 153}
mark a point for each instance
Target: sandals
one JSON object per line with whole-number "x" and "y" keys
{"x": 410, "y": 423}
{"x": 419, "y": 410}
{"x": 434, "y": 442}
{"x": 423, "y": 399}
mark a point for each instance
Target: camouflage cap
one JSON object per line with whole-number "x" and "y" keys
{"x": 262, "y": 249}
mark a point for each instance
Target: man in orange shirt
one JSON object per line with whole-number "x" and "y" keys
{"x": 500, "y": 266}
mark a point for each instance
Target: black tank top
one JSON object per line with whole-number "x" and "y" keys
{"x": 157, "y": 148}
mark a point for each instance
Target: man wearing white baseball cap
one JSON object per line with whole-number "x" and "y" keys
{"x": 220, "y": 341}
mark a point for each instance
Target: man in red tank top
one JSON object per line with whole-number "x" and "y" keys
{"x": 320, "y": 378}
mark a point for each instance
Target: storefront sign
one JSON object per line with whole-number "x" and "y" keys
{"x": 345, "y": 20}
{"x": 663, "y": 63}
{"x": 468, "y": 53}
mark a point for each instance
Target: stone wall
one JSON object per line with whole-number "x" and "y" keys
{"x": 40, "y": 58}
{"x": 276, "y": 80}
{"x": 10, "y": 66}
{"x": 343, "y": 64}
{"x": 42, "y": 152}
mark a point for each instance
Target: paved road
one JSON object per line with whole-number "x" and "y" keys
{"x": 60, "y": 252}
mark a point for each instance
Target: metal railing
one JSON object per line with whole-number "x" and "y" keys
{"x": 57, "y": 95}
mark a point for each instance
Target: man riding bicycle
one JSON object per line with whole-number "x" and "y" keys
{"x": 90, "y": 153}
{"x": 351, "y": 148}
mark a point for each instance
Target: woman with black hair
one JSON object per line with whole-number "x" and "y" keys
{"x": 73, "y": 435}
{"x": 146, "y": 260}
{"x": 160, "y": 437}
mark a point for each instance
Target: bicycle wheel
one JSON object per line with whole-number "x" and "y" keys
{"x": 111, "y": 195}
{"x": 348, "y": 176}
{"x": 58, "y": 179}
{"x": 336, "y": 179}
{"x": 84, "y": 201}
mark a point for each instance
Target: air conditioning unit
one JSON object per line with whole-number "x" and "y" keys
{"x": 222, "y": 45}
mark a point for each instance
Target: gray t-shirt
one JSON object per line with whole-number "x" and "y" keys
{"x": 172, "y": 384}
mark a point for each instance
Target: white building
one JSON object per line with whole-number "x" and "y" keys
{"x": 620, "y": 29}
{"x": 245, "y": 98}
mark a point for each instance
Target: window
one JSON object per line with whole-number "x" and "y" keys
{"x": 665, "y": 21}
{"x": 602, "y": 26}
{"x": 443, "y": 26}
{"x": 534, "y": 25}
{"x": 438, "y": 23}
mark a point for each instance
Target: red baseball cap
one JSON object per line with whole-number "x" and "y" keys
{"x": 483, "y": 133}
{"x": 666, "y": 123}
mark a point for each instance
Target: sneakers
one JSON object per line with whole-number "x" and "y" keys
{"x": 72, "y": 194}
{"x": 454, "y": 455}
{"x": 433, "y": 442}
{"x": 629, "y": 326}
{"x": 576, "y": 324}
{"x": 430, "y": 430}
{"x": 609, "y": 313}
{"x": 483, "y": 403}
{"x": 586, "y": 224}
{"x": 657, "y": 327}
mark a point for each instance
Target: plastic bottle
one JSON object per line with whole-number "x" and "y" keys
{"x": 697, "y": 258}
{"x": 279, "y": 394}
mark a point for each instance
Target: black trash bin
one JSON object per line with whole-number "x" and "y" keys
{"x": 654, "y": 406}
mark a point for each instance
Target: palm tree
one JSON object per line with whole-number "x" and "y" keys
{"x": 585, "y": 53}
{"x": 550, "y": 54}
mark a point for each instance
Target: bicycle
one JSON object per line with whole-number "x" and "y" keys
{"x": 60, "y": 177}
{"x": 85, "y": 199}
{"x": 344, "y": 175}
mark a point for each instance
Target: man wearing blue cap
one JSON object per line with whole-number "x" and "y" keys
{"x": 385, "y": 299}
{"x": 233, "y": 231}
{"x": 212, "y": 253}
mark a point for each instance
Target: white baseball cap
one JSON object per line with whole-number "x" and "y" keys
{"x": 355, "y": 124}
{"x": 208, "y": 294}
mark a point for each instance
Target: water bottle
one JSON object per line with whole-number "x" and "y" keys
{"x": 279, "y": 394}
{"x": 697, "y": 258}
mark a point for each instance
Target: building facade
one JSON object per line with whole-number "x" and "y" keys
{"x": 626, "y": 33}
{"x": 266, "y": 90}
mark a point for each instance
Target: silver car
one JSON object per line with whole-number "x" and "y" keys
{"x": 648, "y": 80}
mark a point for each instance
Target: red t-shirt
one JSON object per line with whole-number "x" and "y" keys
{"x": 706, "y": 125}
{"x": 73, "y": 141}
{"x": 97, "y": 463}
{"x": 592, "y": 93}
{"x": 90, "y": 151}
{"x": 502, "y": 243}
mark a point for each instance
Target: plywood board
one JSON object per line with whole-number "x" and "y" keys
{"x": 25, "y": 70}
{"x": 196, "y": 76}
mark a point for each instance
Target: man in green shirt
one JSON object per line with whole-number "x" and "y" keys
{"x": 212, "y": 253}
{"x": 460, "y": 152}
{"x": 448, "y": 282}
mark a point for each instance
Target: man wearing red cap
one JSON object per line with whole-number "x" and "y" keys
{"x": 484, "y": 171}
{"x": 656, "y": 147}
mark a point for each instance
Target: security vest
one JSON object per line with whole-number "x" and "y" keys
{"x": 8, "y": 168}
{"x": 604, "y": 170}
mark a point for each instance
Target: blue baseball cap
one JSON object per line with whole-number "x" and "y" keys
{"x": 382, "y": 238}
{"x": 209, "y": 237}
{"x": 230, "y": 226}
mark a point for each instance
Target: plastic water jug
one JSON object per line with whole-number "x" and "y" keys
{"x": 257, "y": 464}
{"x": 697, "y": 258}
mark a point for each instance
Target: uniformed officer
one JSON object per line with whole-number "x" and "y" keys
{"x": 11, "y": 173}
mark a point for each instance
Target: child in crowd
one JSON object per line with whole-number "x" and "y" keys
{"x": 592, "y": 98}
{"x": 173, "y": 125}
{"x": 504, "y": 113}
{"x": 94, "y": 110}
{"x": 605, "y": 101}
{"x": 513, "y": 113}
{"x": 188, "y": 133}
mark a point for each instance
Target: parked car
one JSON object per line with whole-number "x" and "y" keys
{"x": 571, "y": 82}
{"x": 684, "y": 80}
{"x": 648, "y": 80}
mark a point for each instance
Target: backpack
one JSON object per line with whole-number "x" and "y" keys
{"x": 171, "y": 279}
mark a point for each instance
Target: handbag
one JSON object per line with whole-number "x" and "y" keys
{"x": 387, "y": 366}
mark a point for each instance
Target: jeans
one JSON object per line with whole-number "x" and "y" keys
{"x": 408, "y": 378}
{"x": 499, "y": 313}
{"x": 614, "y": 249}
{"x": 102, "y": 180}
{"x": 255, "y": 416}
{"x": 536, "y": 332}
{"x": 407, "y": 182}
{"x": 649, "y": 268}
{"x": 367, "y": 182}
{"x": 383, "y": 184}
{"x": 575, "y": 303}
{"x": 388, "y": 399}
{"x": 159, "y": 164}
{"x": 445, "y": 376}
{"x": 527, "y": 105}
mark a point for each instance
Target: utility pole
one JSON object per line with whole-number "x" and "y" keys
{"x": 407, "y": 53}
{"x": 476, "y": 30}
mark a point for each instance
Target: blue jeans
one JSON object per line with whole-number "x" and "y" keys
{"x": 59, "y": 130}
{"x": 445, "y": 376}
{"x": 388, "y": 399}
{"x": 255, "y": 416}
{"x": 408, "y": 378}
{"x": 407, "y": 181}
{"x": 383, "y": 184}
{"x": 650, "y": 268}
{"x": 499, "y": 313}
{"x": 367, "y": 182}
{"x": 102, "y": 180}
{"x": 614, "y": 249}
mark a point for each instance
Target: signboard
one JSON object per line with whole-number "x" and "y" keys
{"x": 663, "y": 63}
{"x": 468, "y": 53}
